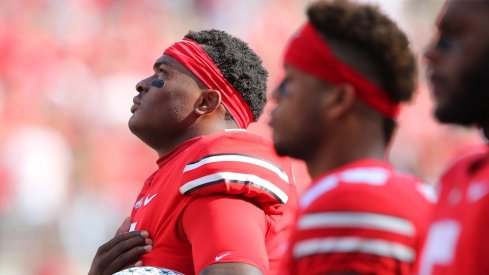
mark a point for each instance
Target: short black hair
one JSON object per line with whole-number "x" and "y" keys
{"x": 239, "y": 64}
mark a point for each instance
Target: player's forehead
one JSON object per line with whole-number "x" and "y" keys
{"x": 171, "y": 63}
{"x": 166, "y": 61}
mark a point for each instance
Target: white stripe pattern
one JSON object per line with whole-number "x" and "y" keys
{"x": 360, "y": 245}
{"x": 235, "y": 130}
{"x": 374, "y": 176}
{"x": 237, "y": 158}
{"x": 317, "y": 190}
{"x": 427, "y": 191}
{"x": 359, "y": 220}
{"x": 230, "y": 176}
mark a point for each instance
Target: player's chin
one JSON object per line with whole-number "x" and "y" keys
{"x": 132, "y": 122}
{"x": 280, "y": 148}
{"x": 134, "y": 125}
{"x": 451, "y": 115}
{"x": 275, "y": 136}
{"x": 281, "y": 151}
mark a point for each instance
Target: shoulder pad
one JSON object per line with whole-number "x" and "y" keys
{"x": 255, "y": 178}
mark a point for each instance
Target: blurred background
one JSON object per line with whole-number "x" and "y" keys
{"x": 69, "y": 167}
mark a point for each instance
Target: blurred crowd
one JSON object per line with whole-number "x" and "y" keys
{"x": 70, "y": 168}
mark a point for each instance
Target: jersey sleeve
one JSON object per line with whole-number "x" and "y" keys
{"x": 225, "y": 229}
{"x": 238, "y": 166}
{"x": 343, "y": 235}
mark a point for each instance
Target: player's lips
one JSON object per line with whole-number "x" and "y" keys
{"x": 271, "y": 121}
{"x": 134, "y": 108}
{"x": 437, "y": 84}
{"x": 137, "y": 102}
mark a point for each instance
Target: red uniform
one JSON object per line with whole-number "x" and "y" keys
{"x": 225, "y": 197}
{"x": 363, "y": 217}
{"x": 458, "y": 237}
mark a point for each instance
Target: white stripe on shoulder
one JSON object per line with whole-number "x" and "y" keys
{"x": 235, "y": 130}
{"x": 351, "y": 244}
{"x": 235, "y": 178}
{"x": 374, "y": 176}
{"x": 427, "y": 191}
{"x": 237, "y": 158}
{"x": 317, "y": 190}
{"x": 361, "y": 220}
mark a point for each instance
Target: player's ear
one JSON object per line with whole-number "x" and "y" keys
{"x": 208, "y": 101}
{"x": 339, "y": 100}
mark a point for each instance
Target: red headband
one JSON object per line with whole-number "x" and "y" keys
{"x": 309, "y": 52}
{"x": 191, "y": 55}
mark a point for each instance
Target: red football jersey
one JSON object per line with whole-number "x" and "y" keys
{"x": 363, "y": 217}
{"x": 458, "y": 237}
{"x": 225, "y": 197}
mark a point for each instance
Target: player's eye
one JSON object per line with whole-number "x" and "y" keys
{"x": 158, "y": 83}
{"x": 444, "y": 43}
{"x": 282, "y": 88}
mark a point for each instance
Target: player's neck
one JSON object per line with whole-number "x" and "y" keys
{"x": 350, "y": 146}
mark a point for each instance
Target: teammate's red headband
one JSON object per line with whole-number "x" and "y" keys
{"x": 309, "y": 52}
{"x": 191, "y": 55}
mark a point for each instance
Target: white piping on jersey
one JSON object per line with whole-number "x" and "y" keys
{"x": 237, "y": 158}
{"x": 230, "y": 176}
{"x": 361, "y": 220}
{"x": 372, "y": 176}
{"x": 360, "y": 245}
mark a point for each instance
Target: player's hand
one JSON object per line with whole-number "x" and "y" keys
{"x": 122, "y": 251}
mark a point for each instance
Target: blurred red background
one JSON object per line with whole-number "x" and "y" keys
{"x": 69, "y": 167}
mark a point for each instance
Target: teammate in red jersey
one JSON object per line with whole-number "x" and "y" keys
{"x": 221, "y": 201}
{"x": 347, "y": 70}
{"x": 458, "y": 68}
